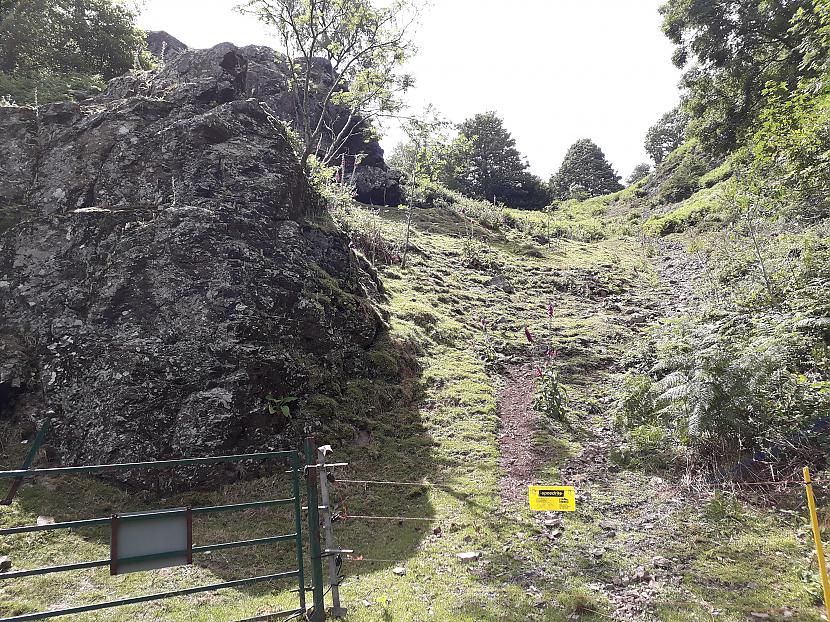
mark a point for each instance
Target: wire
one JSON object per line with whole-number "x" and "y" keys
{"x": 391, "y": 483}
{"x": 429, "y": 520}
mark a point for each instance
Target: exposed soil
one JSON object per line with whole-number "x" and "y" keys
{"x": 633, "y": 508}
{"x": 520, "y": 458}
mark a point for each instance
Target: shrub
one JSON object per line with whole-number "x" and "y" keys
{"x": 432, "y": 195}
{"x": 729, "y": 384}
{"x": 50, "y": 87}
{"x": 550, "y": 397}
{"x": 684, "y": 180}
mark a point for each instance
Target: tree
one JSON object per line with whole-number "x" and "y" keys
{"x": 426, "y": 155}
{"x": 640, "y": 172}
{"x": 420, "y": 158}
{"x": 666, "y": 135}
{"x": 92, "y": 37}
{"x": 584, "y": 171}
{"x": 484, "y": 163}
{"x": 535, "y": 193}
{"x": 343, "y": 59}
{"x": 732, "y": 48}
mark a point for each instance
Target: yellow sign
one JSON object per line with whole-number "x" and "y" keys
{"x": 552, "y": 498}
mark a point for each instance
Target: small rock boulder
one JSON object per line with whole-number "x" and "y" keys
{"x": 501, "y": 282}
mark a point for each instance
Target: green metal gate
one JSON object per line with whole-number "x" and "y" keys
{"x": 186, "y": 514}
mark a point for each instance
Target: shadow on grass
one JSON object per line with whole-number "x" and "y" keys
{"x": 384, "y": 408}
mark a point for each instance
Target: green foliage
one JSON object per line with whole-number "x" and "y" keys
{"x": 733, "y": 48}
{"x": 336, "y": 195}
{"x": 723, "y": 507}
{"x": 641, "y": 171}
{"x": 812, "y": 29}
{"x": 751, "y": 369}
{"x": 69, "y": 37}
{"x": 484, "y": 163}
{"x": 706, "y": 205}
{"x": 684, "y": 179}
{"x": 429, "y": 154}
{"x": 791, "y": 145}
{"x": 726, "y": 385}
{"x": 490, "y": 215}
{"x": 638, "y": 405}
{"x": 279, "y": 405}
{"x": 550, "y": 397}
{"x": 666, "y": 135}
{"x": 365, "y": 45}
{"x": 584, "y": 173}
{"x": 48, "y": 87}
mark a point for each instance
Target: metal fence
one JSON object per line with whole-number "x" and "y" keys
{"x": 177, "y": 522}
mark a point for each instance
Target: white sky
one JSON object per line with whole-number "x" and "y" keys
{"x": 554, "y": 70}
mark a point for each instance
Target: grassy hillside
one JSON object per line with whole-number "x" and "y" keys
{"x": 643, "y": 539}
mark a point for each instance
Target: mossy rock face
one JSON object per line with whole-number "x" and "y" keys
{"x": 163, "y": 274}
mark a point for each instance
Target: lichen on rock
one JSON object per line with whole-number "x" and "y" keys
{"x": 167, "y": 267}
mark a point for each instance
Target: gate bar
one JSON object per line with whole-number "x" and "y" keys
{"x": 41, "y": 434}
{"x": 150, "y": 597}
{"x": 143, "y": 558}
{"x": 101, "y": 521}
{"x": 158, "y": 464}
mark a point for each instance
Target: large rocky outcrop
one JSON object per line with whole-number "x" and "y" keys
{"x": 163, "y": 45}
{"x": 163, "y": 267}
{"x": 257, "y": 71}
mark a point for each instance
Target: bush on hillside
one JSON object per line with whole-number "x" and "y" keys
{"x": 684, "y": 179}
{"x": 52, "y": 87}
{"x": 432, "y": 195}
{"x": 792, "y": 145}
{"x": 744, "y": 376}
{"x": 56, "y": 47}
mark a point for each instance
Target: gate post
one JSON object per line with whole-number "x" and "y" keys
{"x": 337, "y": 611}
{"x": 318, "y": 614}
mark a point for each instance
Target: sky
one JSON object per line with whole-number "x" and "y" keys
{"x": 554, "y": 70}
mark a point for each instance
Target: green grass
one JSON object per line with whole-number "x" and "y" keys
{"x": 705, "y": 206}
{"x": 441, "y": 424}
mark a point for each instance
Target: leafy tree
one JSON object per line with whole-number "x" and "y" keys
{"x": 426, "y": 155}
{"x": 812, "y": 30}
{"x": 733, "y": 48}
{"x": 791, "y": 148}
{"x": 535, "y": 193}
{"x": 584, "y": 172}
{"x": 363, "y": 45}
{"x": 90, "y": 37}
{"x": 683, "y": 177}
{"x": 666, "y": 135}
{"x": 640, "y": 172}
{"x": 485, "y": 164}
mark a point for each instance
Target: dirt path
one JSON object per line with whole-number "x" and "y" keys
{"x": 519, "y": 457}
{"x": 632, "y": 510}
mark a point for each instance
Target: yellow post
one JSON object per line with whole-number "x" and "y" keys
{"x": 822, "y": 569}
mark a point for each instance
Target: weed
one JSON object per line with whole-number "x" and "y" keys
{"x": 279, "y": 404}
